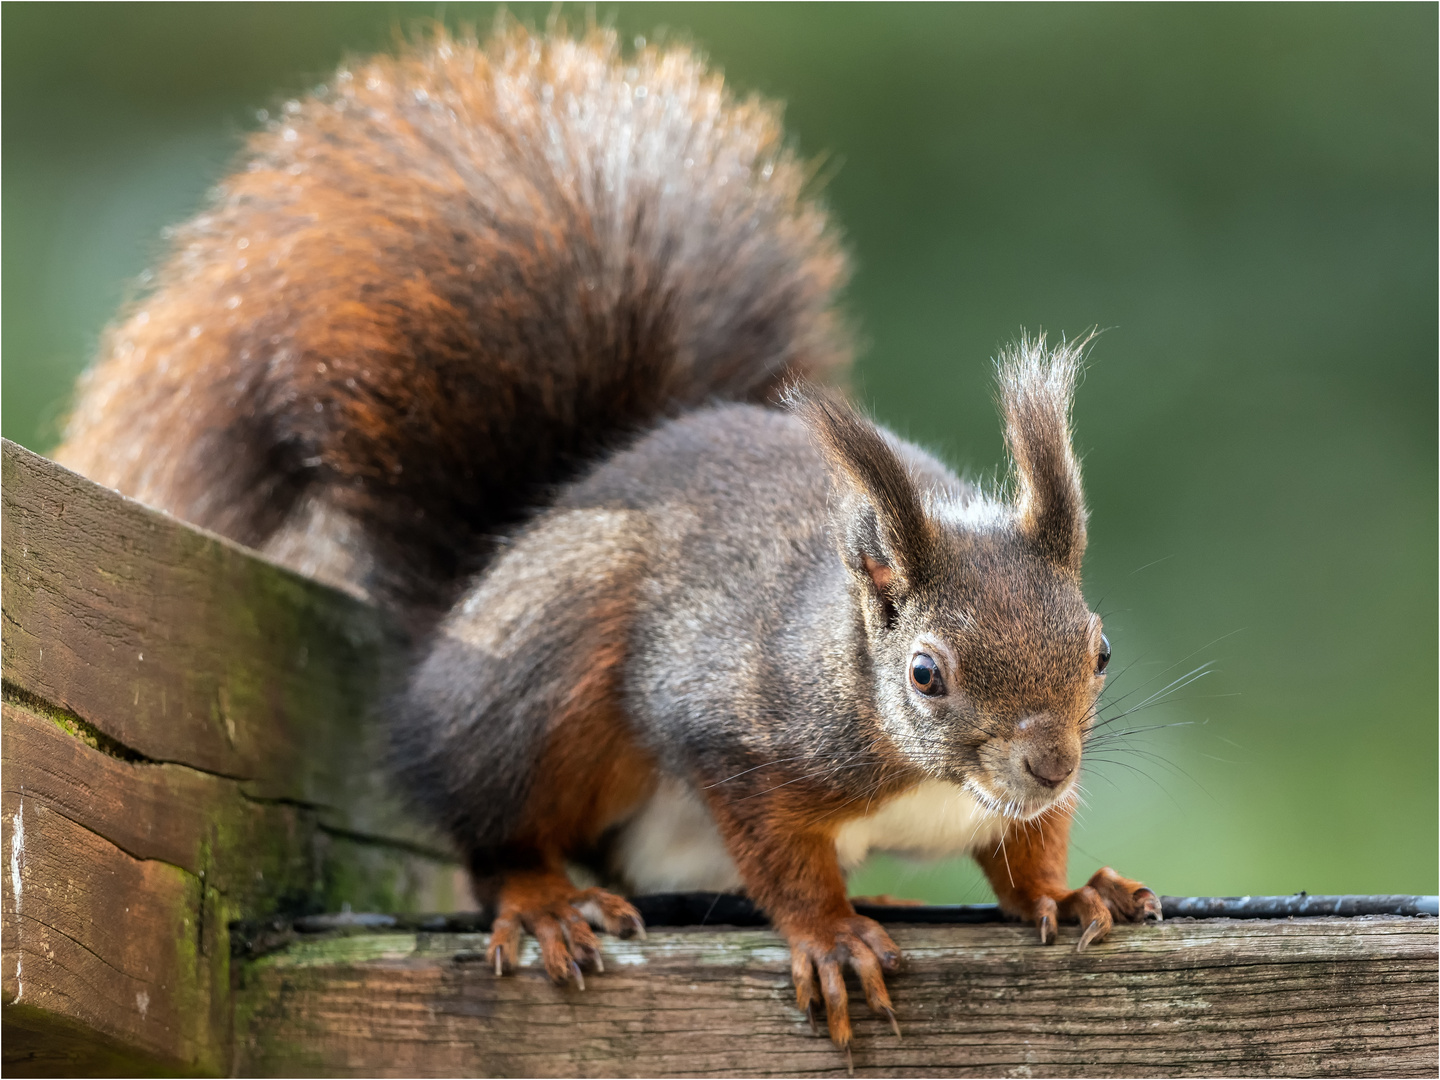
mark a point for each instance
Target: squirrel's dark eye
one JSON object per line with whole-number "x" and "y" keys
{"x": 925, "y": 675}
{"x": 1103, "y": 660}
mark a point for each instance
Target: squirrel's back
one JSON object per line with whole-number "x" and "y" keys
{"x": 442, "y": 284}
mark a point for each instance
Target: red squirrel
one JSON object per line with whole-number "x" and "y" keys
{"x": 528, "y": 340}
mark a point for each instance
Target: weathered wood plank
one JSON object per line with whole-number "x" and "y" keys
{"x": 112, "y": 862}
{"x": 260, "y": 856}
{"x": 168, "y": 813}
{"x": 39, "y": 1043}
{"x": 188, "y": 649}
{"x": 188, "y": 739}
{"x": 1335, "y": 997}
{"x": 132, "y": 949}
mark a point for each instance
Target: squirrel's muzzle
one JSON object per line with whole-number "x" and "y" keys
{"x": 1041, "y": 758}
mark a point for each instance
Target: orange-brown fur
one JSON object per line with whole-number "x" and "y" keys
{"x": 1027, "y": 872}
{"x": 782, "y": 838}
{"x": 595, "y": 774}
{"x": 788, "y": 857}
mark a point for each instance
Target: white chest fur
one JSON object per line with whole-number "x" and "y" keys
{"x": 672, "y": 845}
{"x": 931, "y": 819}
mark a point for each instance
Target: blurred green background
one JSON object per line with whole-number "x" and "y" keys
{"x": 1242, "y": 197}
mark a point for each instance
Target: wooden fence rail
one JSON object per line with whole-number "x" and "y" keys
{"x": 1327, "y": 997}
{"x": 186, "y": 743}
{"x": 190, "y": 765}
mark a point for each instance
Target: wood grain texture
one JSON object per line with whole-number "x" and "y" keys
{"x": 123, "y": 879}
{"x": 166, "y": 813}
{"x": 1333, "y": 997}
{"x": 38, "y": 1043}
{"x": 261, "y": 856}
{"x": 188, "y": 649}
{"x": 132, "y": 949}
{"x": 189, "y": 739}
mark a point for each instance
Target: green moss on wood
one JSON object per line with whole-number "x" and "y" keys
{"x": 40, "y": 1043}
{"x": 67, "y": 722}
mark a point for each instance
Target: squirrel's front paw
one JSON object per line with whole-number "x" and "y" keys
{"x": 818, "y": 956}
{"x": 1096, "y": 905}
{"x": 560, "y": 917}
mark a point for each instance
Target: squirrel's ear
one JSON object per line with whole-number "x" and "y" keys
{"x": 1037, "y": 386}
{"x": 886, "y": 535}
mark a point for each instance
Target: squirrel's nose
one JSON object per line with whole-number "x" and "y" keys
{"x": 1051, "y": 772}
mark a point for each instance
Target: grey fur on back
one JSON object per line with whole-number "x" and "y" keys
{"x": 716, "y": 529}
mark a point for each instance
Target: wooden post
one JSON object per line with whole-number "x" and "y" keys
{"x": 190, "y": 754}
{"x": 187, "y": 741}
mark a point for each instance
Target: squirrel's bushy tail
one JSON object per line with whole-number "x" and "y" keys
{"x": 441, "y": 284}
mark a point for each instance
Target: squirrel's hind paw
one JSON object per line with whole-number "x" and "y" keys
{"x": 560, "y": 918}
{"x": 608, "y": 912}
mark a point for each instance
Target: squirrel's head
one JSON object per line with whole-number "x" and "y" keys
{"x": 986, "y": 660}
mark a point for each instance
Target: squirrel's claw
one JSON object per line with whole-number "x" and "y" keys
{"x": 1047, "y": 916}
{"x": 817, "y": 965}
{"x": 1092, "y": 911}
{"x": 611, "y": 913}
{"x": 1095, "y": 930}
{"x": 1149, "y": 906}
{"x": 1107, "y": 898}
{"x": 504, "y": 949}
{"x": 1126, "y": 900}
{"x": 554, "y": 952}
{"x": 889, "y": 1014}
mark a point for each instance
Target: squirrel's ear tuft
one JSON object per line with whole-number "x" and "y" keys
{"x": 1037, "y": 385}
{"x": 887, "y": 536}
